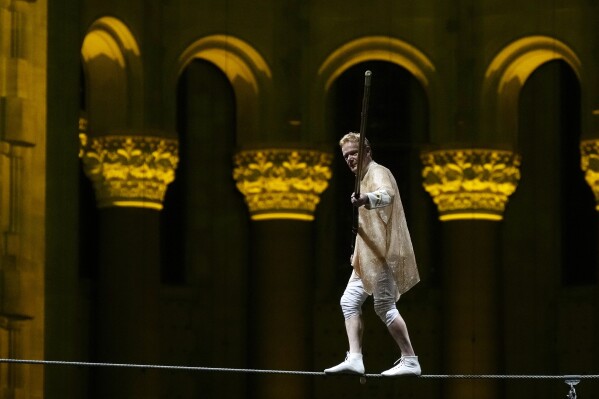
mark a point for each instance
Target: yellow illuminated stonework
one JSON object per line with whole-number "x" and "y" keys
{"x": 282, "y": 183}
{"x": 470, "y": 183}
{"x": 129, "y": 171}
{"x": 589, "y": 162}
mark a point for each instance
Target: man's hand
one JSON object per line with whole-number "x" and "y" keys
{"x": 359, "y": 201}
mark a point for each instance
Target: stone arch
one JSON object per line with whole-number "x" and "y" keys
{"x": 375, "y": 48}
{"x": 246, "y": 70}
{"x": 113, "y": 76}
{"x": 507, "y": 74}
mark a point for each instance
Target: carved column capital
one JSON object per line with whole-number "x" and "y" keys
{"x": 470, "y": 183}
{"x": 282, "y": 183}
{"x": 129, "y": 171}
{"x": 589, "y": 162}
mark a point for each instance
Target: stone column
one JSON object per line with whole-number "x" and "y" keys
{"x": 14, "y": 378}
{"x": 281, "y": 188}
{"x": 471, "y": 188}
{"x": 19, "y": 279}
{"x": 130, "y": 176}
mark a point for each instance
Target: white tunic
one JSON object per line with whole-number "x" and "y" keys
{"x": 383, "y": 236}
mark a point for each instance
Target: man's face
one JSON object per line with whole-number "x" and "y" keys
{"x": 350, "y": 154}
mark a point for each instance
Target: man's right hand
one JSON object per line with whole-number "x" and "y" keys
{"x": 359, "y": 201}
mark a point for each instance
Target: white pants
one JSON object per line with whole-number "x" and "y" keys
{"x": 384, "y": 297}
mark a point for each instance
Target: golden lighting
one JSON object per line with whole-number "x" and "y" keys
{"x": 589, "y": 162}
{"x": 99, "y": 43}
{"x": 82, "y": 135}
{"x": 377, "y": 48}
{"x": 110, "y": 38}
{"x": 522, "y": 57}
{"x": 470, "y": 183}
{"x": 469, "y": 216}
{"x": 506, "y": 75}
{"x": 129, "y": 171}
{"x": 283, "y": 215}
{"x": 282, "y": 183}
{"x": 137, "y": 204}
{"x": 236, "y": 58}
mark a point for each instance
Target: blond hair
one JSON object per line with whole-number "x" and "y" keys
{"x": 353, "y": 137}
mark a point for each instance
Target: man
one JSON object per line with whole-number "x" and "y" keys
{"x": 383, "y": 262}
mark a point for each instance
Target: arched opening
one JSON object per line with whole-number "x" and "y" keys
{"x": 549, "y": 235}
{"x": 207, "y": 140}
{"x": 552, "y": 180}
{"x": 204, "y": 233}
{"x": 247, "y": 73}
{"x": 507, "y": 74}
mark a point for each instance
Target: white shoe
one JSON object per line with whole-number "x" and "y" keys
{"x": 352, "y": 364}
{"x": 406, "y": 365}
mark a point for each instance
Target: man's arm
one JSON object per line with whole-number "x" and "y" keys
{"x": 378, "y": 199}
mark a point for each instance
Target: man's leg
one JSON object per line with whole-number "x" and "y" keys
{"x": 399, "y": 332}
{"x": 384, "y": 305}
{"x": 351, "y": 305}
{"x": 354, "y": 328}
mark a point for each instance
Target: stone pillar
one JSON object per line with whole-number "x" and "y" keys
{"x": 471, "y": 317}
{"x": 471, "y": 188}
{"x": 19, "y": 279}
{"x": 281, "y": 188}
{"x": 14, "y": 378}
{"x": 130, "y": 175}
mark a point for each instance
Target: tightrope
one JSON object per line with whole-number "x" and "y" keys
{"x": 293, "y": 372}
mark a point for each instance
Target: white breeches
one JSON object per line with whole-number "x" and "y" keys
{"x": 384, "y": 297}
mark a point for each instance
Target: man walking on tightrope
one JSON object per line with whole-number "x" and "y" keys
{"x": 383, "y": 262}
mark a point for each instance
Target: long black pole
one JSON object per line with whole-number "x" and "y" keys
{"x": 363, "y": 121}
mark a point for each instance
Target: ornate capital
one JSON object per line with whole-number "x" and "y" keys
{"x": 470, "y": 183}
{"x": 589, "y": 162}
{"x": 129, "y": 171}
{"x": 282, "y": 183}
